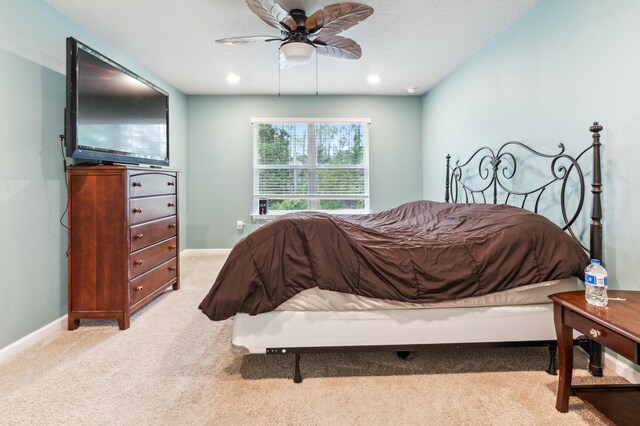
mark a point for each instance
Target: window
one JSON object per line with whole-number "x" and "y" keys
{"x": 311, "y": 164}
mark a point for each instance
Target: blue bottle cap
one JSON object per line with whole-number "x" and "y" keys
{"x": 595, "y": 261}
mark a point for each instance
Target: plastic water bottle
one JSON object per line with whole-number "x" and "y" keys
{"x": 595, "y": 282}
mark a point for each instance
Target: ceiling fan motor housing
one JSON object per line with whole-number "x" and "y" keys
{"x": 300, "y": 17}
{"x": 298, "y": 48}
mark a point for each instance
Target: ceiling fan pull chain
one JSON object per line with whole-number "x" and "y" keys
{"x": 316, "y": 73}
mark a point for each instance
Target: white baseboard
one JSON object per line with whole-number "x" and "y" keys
{"x": 29, "y": 340}
{"x": 621, "y": 368}
{"x": 188, "y": 252}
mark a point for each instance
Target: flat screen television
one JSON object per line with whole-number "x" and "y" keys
{"x": 113, "y": 115}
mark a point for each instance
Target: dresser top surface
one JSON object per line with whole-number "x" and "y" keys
{"x": 118, "y": 168}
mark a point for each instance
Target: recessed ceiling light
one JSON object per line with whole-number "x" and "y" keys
{"x": 412, "y": 89}
{"x": 373, "y": 79}
{"x": 233, "y": 78}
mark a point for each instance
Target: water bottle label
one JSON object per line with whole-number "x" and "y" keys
{"x": 597, "y": 280}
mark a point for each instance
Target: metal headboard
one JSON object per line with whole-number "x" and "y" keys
{"x": 497, "y": 168}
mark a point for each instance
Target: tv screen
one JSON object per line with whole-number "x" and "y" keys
{"x": 113, "y": 115}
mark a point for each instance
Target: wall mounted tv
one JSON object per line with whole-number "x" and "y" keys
{"x": 113, "y": 115}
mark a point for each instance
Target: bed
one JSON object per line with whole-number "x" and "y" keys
{"x": 287, "y": 299}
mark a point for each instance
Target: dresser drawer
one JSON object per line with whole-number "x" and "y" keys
{"x": 147, "y": 283}
{"x": 146, "y": 209}
{"x": 152, "y": 232}
{"x": 612, "y": 340}
{"x": 145, "y": 184}
{"x": 143, "y": 260}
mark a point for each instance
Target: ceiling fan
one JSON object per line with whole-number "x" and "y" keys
{"x": 301, "y": 36}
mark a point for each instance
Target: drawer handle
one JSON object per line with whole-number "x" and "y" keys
{"x": 138, "y": 288}
{"x": 137, "y": 262}
{"x": 138, "y": 184}
{"x": 172, "y": 268}
{"x": 171, "y": 183}
{"x": 171, "y": 204}
{"x": 172, "y": 225}
{"x": 137, "y": 210}
{"x": 138, "y": 236}
{"x": 172, "y": 247}
{"x": 594, "y": 333}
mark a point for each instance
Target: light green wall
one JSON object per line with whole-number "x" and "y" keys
{"x": 32, "y": 191}
{"x": 545, "y": 80}
{"x": 220, "y": 154}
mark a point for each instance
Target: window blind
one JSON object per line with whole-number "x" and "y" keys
{"x": 311, "y": 164}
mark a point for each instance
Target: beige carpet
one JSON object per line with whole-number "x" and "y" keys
{"x": 174, "y": 366}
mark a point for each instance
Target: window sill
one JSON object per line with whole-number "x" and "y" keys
{"x": 270, "y": 216}
{"x": 277, "y": 214}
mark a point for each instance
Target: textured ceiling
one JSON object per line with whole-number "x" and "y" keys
{"x": 408, "y": 43}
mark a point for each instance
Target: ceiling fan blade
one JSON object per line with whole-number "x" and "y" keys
{"x": 337, "y": 47}
{"x": 273, "y": 14}
{"x": 337, "y": 17}
{"x": 247, "y": 39}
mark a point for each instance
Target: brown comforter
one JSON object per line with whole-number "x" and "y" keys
{"x": 418, "y": 252}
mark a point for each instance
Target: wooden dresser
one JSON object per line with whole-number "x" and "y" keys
{"x": 123, "y": 239}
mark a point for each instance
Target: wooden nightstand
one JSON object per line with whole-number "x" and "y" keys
{"x": 616, "y": 326}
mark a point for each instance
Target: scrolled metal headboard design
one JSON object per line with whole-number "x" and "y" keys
{"x": 497, "y": 168}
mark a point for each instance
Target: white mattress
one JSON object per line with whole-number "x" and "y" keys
{"x": 315, "y": 299}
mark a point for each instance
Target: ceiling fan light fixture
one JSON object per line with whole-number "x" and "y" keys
{"x": 297, "y": 52}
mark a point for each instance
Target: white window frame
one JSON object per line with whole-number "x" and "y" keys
{"x": 312, "y": 151}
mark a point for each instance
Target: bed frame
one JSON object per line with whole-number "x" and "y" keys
{"x": 404, "y": 331}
